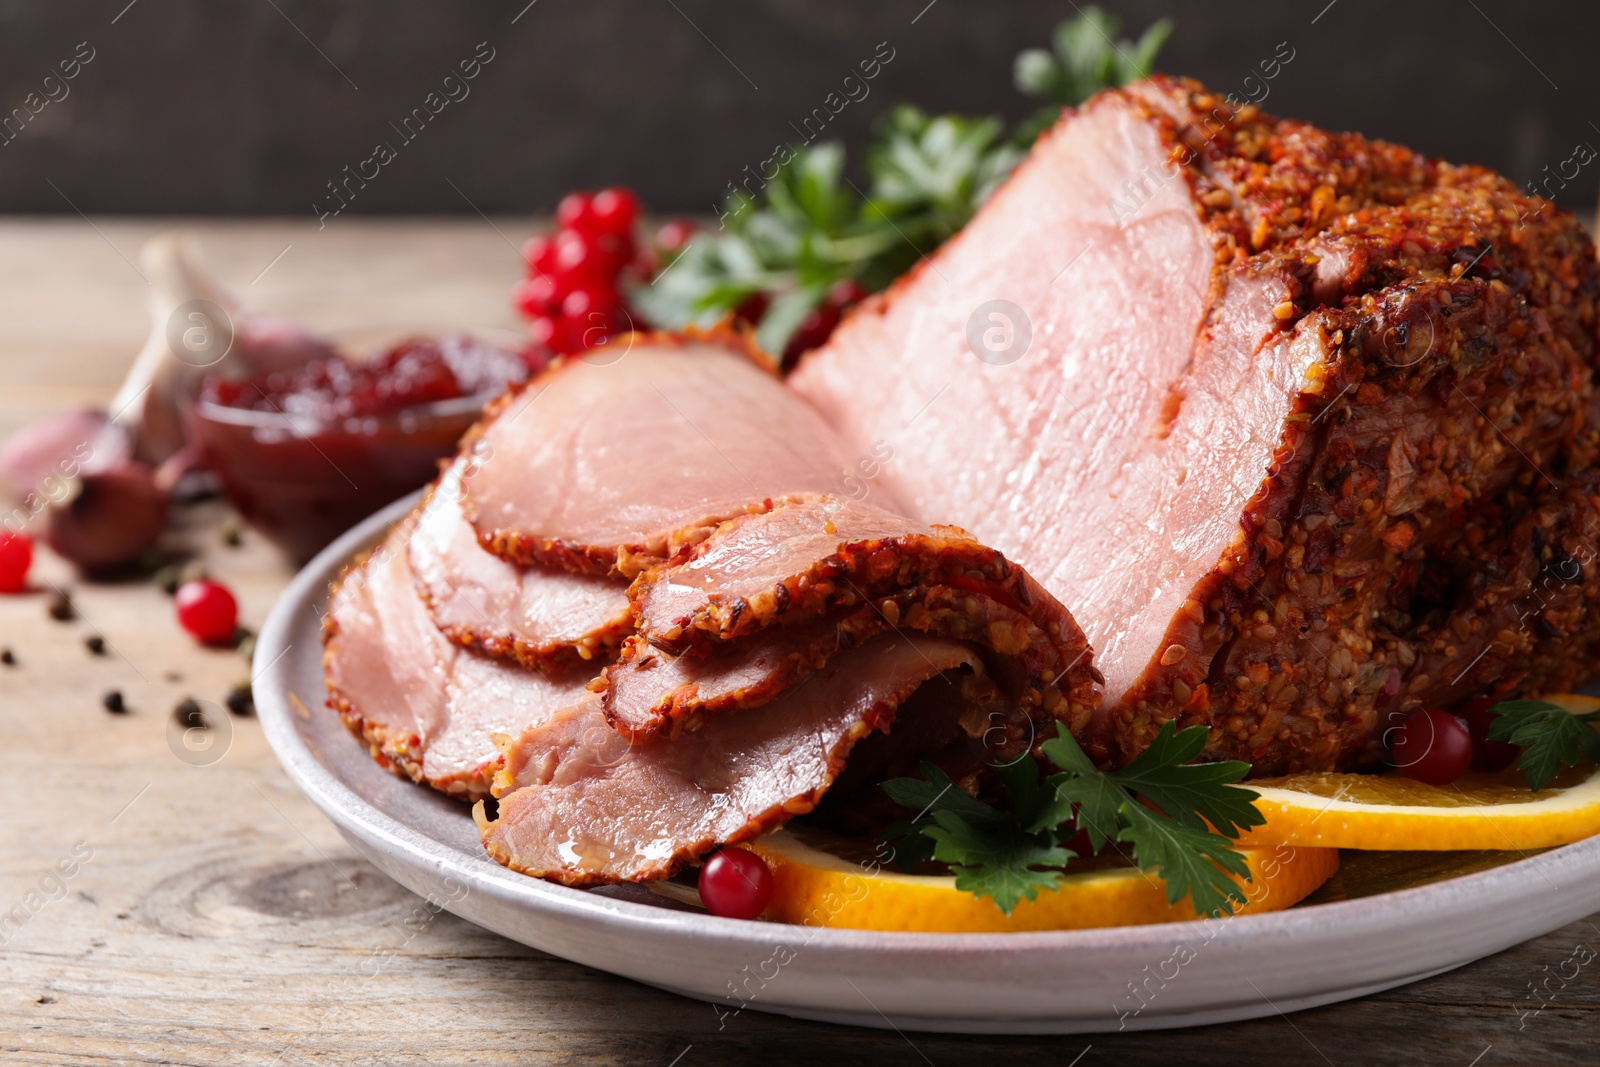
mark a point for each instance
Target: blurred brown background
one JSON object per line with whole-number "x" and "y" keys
{"x": 251, "y": 106}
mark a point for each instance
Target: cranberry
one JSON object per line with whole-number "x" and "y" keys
{"x": 539, "y": 253}
{"x": 1431, "y": 746}
{"x": 207, "y": 610}
{"x": 579, "y": 255}
{"x": 674, "y": 235}
{"x": 1487, "y": 755}
{"x": 576, "y": 213}
{"x": 587, "y": 297}
{"x": 535, "y": 296}
{"x": 613, "y": 210}
{"x": 814, "y": 329}
{"x": 735, "y": 884}
{"x": 16, "y": 556}
{"x": 845, "y": 292}
{"x": 752, "y": 308}
{"x": 545, "y": 331}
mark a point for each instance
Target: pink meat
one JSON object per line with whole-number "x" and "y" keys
{"x": 535, "y": 615}
{"x": 1222, "y": 383}
{"x": 579, "y": 807}
{"x": 600, "y": 461}
{"x": 425, "y": 708}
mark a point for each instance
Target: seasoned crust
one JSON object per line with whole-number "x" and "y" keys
{"x": 1455, "y": 319}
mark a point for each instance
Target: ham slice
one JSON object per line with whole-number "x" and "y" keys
{"x": 577, "y": 807}
{"x": 1222, "y": 382}
{"x": 537, "y": 616}
{"x": 770, "y": 597}
{"x": 600, "y": 462}
{"x": 425, "y": 708}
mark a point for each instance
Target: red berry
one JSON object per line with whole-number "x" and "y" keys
{"x": 735, "y": 884}
{"x": 587, "y": 297}
{"x": 207, "y": 610}
{"x": 814, "y": 329}
{"x": 538, "y": 254}
{"x": 751, "y": 308}
{"x": 535, "y": 296}
{"x": 1431, "y": 746}
{"x": 614, "y": 210}
{"x": 674, "y": 235}
{"x": 16, "y": 556}
{"x": 545, "y": 331}
{"x": 576, "y": 213}
{"x": 579, "y": 255}
{"x": 1487, "y": 755}
{"x": 845, "y": 292}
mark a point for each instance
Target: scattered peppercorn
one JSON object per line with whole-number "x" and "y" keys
{"x": 8, "y": 657}
{"x": 245, "y": 641}
{"x": 61, "y": 608}
{"x": 95, "y": 644}
{"x": 241, "y": 700}
{"x": 172, "y": 676}
{"x": 113, "y": 702}
{"x": 167, "y": 579}
{"x": 232, "y": 534}
{"x": 189, "y": 715}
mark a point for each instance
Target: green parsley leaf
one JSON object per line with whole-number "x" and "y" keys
{"x": 998, "y": 861}
{"x": 1551, "y": 737}
{"x": 1011, "y": 853}
{"x": 1190, "y": 861}
{"x": 1191, "y": 793}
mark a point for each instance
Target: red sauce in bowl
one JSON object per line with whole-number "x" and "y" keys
{"x": 306, "y": 453}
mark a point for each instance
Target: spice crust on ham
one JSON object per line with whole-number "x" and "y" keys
{"x": 1284, "y": 366}
{"x": 534, "y": 615}
{"x": 425, "y": 707}
{"x": 792, "y": 588}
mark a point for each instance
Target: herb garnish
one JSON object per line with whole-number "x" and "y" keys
{"x": 811, "y": 226}
{"x": 1180, "y": 819}
{"x": 1551, "y": 737}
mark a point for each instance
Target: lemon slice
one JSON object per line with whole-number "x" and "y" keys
{"x": 817, "y": 886}
{"x": 1479, "y": 810}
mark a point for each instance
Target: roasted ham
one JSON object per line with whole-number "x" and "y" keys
{"x": 604, "y": 462}
{"x": 535, "y": 615}
{"x": 578, "y": 807}
{"x": 425, "y": 707}
{"x": 790, "y": 588}
{"x": 1227, "y": 386}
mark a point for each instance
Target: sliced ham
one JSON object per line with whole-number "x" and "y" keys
{"x": 770, "y": 597}
{"x": 425, "y": 708}
{"x": 1221, "y": 382}
{"x": 577, "y": 807}
{"x": 535, "y": 615}
{"x": 601, "y": 461}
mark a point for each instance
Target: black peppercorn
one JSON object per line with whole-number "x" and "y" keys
{"x": 113, "y": 702}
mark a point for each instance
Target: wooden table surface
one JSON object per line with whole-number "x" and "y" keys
{"x": 213, "y": 916}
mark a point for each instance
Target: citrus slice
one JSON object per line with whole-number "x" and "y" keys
{"x": 817, "y": 886}
{"x": 1479, "y": 810}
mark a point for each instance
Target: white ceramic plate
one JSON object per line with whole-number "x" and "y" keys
{"x": 1177, "y": 974}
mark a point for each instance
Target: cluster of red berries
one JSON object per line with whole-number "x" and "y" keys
{"x": 572, "y": 295}
{"x": 1436, "y": 747}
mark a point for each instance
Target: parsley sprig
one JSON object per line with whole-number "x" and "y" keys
{"x": 1179, "y": 818}
{"x": 812, "y": 226}
{"x": 1551, "y": 737}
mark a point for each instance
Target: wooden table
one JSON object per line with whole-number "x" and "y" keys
{"x": 219, "y": 919}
